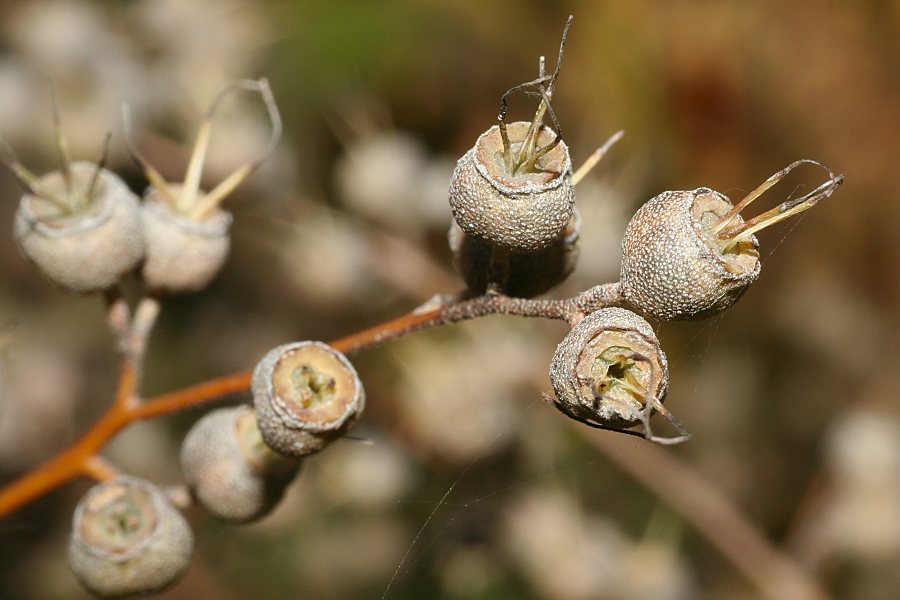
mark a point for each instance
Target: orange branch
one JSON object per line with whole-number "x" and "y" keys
{"x": 81, "y": 459}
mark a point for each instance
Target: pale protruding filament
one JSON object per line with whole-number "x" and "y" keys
{"x": 95, "y": 176}
{"x": 779, "y": 213}
{"x": 784, "y": 210}
{"x": 190, "y": 202}
{"x": 596, "y": 157}
{"x": 153, "y": 176}
{"x": 28, "y": 179}
{"x": 191, "y": 187}
{"x": 209, "y": 202}
{"x": 530, "y": 140}
{"x": 62, "y": 148}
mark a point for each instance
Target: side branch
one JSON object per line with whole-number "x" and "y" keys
{"x": 79, "y": 459}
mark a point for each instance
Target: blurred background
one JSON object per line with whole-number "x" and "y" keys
{"x": 465, "y": 485}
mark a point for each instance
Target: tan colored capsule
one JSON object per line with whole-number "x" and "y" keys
{"x": 606, "y": 368}
{"x": 128, "y": 539}
{"x": 306, "y": 395}
{"x": 86, "y": 248}
{"x": 182, "y": 254}
{"x": 690, "y": 254}
{"x": 231, "y": 472}
{"x": 673, "y": 266}
{"x": 530, "y": 274}
{"x": 522, "y": 208}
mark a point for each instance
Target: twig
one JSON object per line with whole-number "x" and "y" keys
{"x": 126, "y": 409}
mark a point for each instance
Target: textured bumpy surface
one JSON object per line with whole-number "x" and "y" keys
{"x": 570, "y": 369}
{"x": 182, "y": 255}
{"x": 156, "y": 560}
{"x": 668, "y": 271}
{"x": 523, "y": 213}
{"x": 90, "y": 250}
{"x": 222, "y": 476}
{"x": 286, "y": 426}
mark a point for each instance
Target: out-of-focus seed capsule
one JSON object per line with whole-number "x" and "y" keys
{"x": 610, "y": 371}
{"x": 230, "y": 470}
{"x": 529, "y": 274}
{"x": 183, "y": 254}
{"x": 184, "y": 228}
{"x": 690, "y": 254}
{"x": 128, "y": 539}
{"x": 306, "y": 395}
{"x": 81, "y": 229}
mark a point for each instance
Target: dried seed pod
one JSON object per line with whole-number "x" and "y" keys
{"x": 128, "y": 539}
{"x": 183, "y": 254}
{"x": 689, "y": 254}
{"x": 306, "y": 394}
{"x": 82, "y": 230}
{"x": 529, "y": 274}
{"x": 521, "y": 208}
{"x": 185, "y": 230}
{"x": 231, "y": 472}
{"x": 610, "y": 372}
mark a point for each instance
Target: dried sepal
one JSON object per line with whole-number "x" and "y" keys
{"x": 610, "y": 372}
{"x": 128, "y": 539}
{"x": 231, "y": 472}
{"x": 306, "y": 395}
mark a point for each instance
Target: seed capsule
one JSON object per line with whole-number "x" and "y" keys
{"x": 128, "y": 539}
{"x": 185, "y": 229}
{"x": 306, "y": 394}
{"x": 183, "y": 254}
{"x": 231, "y": 472}
{"x": 607, "y": 369}
{"x": 522, "y": 208}
{"x": 84, "y": 234}
{"x": 690, "y": 254}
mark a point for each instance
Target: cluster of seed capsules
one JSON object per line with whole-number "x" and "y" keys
{"x": 128, "y": 537}
{"x": 84, "y": 230}
{"x": 685, "y": 255}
